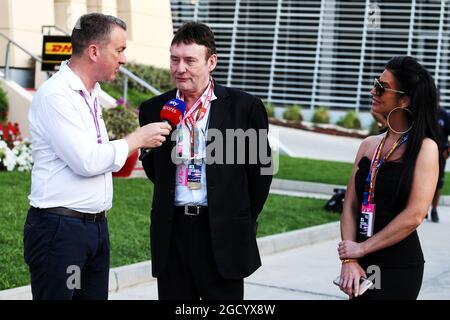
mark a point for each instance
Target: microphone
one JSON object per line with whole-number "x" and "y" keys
{"x": 172, "y": 113}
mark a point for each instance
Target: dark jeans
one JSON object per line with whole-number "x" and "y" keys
{"x": 68, "y": 258}
{"x": 191, "y": 272}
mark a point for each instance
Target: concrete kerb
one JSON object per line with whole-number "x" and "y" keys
{"x": 134, "y": 274}
{"x": 20, "y": 293}
{"x": 131, "y": 275}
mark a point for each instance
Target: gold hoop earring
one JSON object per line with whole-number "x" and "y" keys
{"x": 389, "y": 125}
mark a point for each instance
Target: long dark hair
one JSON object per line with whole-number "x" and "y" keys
{"x": 417, "y": 83}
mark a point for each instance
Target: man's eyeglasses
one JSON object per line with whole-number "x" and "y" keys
{"x": 379, "y": 89}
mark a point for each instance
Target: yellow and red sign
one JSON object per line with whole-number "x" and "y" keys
{"x": 55, "y": 49}
{"x": 58, "y": 48}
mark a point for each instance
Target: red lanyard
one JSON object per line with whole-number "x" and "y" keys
{"x": 376, "y": 163}
{"x": 198, "y": 105}
{"x": 188, "y": 119}
{"x": 94, "y": 115}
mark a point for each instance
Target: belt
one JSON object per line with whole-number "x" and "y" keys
{"x": 188, "y": 210}
{"x": 99, "y": 216}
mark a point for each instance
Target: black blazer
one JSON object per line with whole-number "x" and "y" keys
{"x": 236, "y": 192}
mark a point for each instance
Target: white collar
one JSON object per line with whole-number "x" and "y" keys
{"x": 74, "y": 81}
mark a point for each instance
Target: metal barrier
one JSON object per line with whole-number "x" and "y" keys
{"x": 8, "y": 52}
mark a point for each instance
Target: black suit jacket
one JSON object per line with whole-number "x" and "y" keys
{"x": 236, "y": 192}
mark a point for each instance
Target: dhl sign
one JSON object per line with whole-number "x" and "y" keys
{"x": 58, "y": 48}
{"x": 55, "y": 49}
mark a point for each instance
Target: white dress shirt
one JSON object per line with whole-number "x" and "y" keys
{"x": 184, "y": 195}
{"x": 71, "y": 169}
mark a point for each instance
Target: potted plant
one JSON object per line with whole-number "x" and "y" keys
{"x": 121, "y": 121}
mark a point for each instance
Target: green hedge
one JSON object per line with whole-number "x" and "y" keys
{"x": 3, "y": 105}
{"x": 293, "y": 113}
{"x": 321, "y": 115}
{"x": 350, "y": 120}
{"x": 157, "y": 77}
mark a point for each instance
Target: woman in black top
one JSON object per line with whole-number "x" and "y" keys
{"x": 391, "y": 187}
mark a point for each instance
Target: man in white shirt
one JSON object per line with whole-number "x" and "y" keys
{"x": 66, "y": 241}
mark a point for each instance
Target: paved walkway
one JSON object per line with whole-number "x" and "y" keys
{"x": 312, "y": 145}
{"x": 306, "y": 273}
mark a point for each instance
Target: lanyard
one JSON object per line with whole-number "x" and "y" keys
{"x": 191, "y": 123}
{"x": 94, "y": 116}
{"x": 376, "y": 164}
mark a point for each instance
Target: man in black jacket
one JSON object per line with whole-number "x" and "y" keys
{"x": 208, "y": 190}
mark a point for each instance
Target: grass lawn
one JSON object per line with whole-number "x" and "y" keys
{"x": 302, "y": 169}
{"x": 282, "y": 213}
{"x": 129, "y": 222}
{"x": 14, "y": 190}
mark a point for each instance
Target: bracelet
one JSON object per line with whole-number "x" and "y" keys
{"x": 349, "y": 260}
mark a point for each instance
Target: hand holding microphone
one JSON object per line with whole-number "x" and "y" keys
{"x": 148, "y": 136}
{"x": 171, "y": 115}
{"x": 154, "y": 134}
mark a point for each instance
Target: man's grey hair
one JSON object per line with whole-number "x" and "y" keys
{"x": 93, "y": 28}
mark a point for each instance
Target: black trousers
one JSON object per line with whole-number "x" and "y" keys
{"x": 68, "y": 258}
{"x": 191, "y": 272}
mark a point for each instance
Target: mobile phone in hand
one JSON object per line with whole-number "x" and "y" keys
{"x": 364, "y": 284}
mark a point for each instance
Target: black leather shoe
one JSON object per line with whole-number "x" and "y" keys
{"x": 434, "y": 216}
